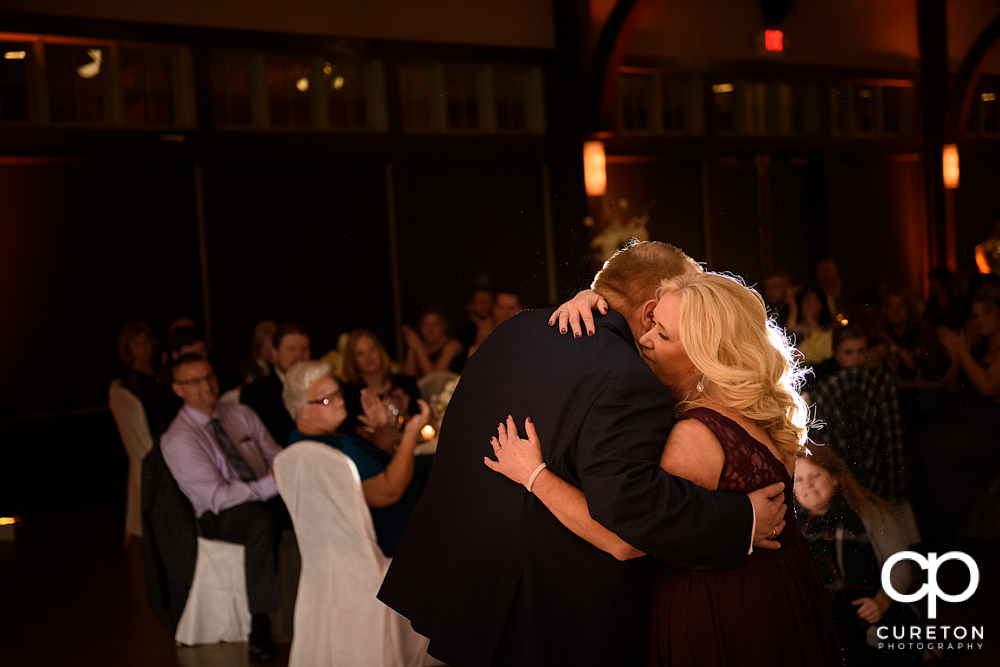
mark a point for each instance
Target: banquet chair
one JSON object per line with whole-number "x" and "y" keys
{"x": 338, "y": 619}
{"x": 231, "y": 396}
{"x": 216, "y": 609}
{"x": 434, "y": 383}
{"x": 130, "y": 417}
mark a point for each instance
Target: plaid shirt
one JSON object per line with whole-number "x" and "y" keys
{"x": 863, "y": 425}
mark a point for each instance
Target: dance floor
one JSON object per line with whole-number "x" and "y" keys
{"x": 72, "y": 594}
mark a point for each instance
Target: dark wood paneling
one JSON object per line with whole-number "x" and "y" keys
{"x": 471, "y": 223}
{"x": 85, "y": 247}
{"x": 305, "y": 242}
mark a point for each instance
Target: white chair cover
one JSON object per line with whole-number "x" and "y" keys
{"x": 338, "y": 619}
{"x": 231, "y": 396}
{"x": 433, "y": 384}
{"x": 130, "y": 417}
{"x": 216, "y": 609}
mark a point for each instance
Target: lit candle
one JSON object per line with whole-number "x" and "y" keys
{"x": 427, "y": 431}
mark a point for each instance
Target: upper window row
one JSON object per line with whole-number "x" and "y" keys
{"x": 94, "y": 83}
{"x": 651, "y": 102}
{"x": 111, "y": 84}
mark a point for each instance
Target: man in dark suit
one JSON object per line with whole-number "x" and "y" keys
{"x": 264, "y": 395}
{"x": 485, "y": 570}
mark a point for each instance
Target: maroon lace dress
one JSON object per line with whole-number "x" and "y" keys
{"x": 768, "y": 611}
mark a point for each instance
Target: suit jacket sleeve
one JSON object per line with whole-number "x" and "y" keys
{"x": 668, "y": 518}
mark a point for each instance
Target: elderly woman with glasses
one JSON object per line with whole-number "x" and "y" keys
{"x": 391, "y": 479}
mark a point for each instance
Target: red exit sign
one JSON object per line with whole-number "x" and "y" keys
{"x": 774, "y": 40}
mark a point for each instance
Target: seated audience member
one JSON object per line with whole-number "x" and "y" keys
{"x": 506, "y": 305}
{"x": 391, "y": 478}
{"x": 479, "y": 306}
{"x": 432, "y": 349}
{"x": 907, "y": 345}
{"x": 221, "y": 456}
{"x": 779, "y": 295}
{"x": 863, "y": 425}
{"x": 264, "y": 395}
{"x": 366, "y": 365}
{"x": 831, "y": 289}
{"x": 138, "y": 351}
{"x": 811, "y": 326}
{"x": 851, "y": 533}
{"x": 181, "y": 341}
{"x": 258, "y": 364}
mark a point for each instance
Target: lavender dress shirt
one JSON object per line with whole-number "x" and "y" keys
{"x": 200, "y": 467}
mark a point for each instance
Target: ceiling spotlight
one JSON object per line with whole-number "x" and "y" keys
{"x": 327, "y": 68}
{"x": 15, "y": 55}
{"x": 302, "y": 84}
{"x": 338, "y": 83}
{"x": 722, "y": 88}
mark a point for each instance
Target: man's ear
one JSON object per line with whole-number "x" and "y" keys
{"x": 646, "y": 314}
{"x": 177, "y": 389}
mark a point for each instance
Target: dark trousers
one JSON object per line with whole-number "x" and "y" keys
{"x": 257, "y": 526}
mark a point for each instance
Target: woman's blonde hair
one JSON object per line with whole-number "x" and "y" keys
{"x": 862, "y": 502}
{"x": 746, "y": 363}
{"x": 350, "y": 367}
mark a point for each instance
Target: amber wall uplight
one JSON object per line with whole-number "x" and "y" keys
{"x": 595, "y": 174}
{"x": 949, "y": 166}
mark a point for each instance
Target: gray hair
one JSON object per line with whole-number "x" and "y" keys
{"x": 298, "y": 379}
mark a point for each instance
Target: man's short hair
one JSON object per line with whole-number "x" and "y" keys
{"x": 634, "y": 273}
{"x": 181, "y": 337}
{"x": 184, "y": 360}
{"x": 507, "y": 289}
{"x": 850, "y": 332}
{"x": 283, "y": 330}
{"x": 298, "y": 378}
{"x": 471, "y": 294}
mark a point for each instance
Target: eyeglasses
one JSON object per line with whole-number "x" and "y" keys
{"x": 194, "y": 382}
{"x": 328, "y": 399}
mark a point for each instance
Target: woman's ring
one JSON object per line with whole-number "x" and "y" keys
{"x": 774, "y": 533}
{"x": 562, "y": 311}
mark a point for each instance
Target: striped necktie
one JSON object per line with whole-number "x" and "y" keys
{"x": 232, "y": 455}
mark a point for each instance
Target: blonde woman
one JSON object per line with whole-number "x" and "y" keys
{"x": 740, "y": 425}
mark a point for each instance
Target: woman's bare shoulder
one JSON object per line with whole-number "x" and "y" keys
{"x": 694, "y": 453}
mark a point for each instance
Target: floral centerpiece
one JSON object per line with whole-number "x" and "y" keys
{"x": 440, "y": 402}
{"x": 616, "y": 228}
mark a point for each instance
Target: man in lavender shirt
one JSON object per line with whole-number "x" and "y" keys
{"x": 221, "y": 454}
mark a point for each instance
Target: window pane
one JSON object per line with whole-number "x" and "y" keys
{"x": 724, "y": 93}
{"x": 345, "y": 94}
{"x": 864, "y": 103}
{"x": 841, "y": 109}
{"x": 76, "y": 82}
{"x": 147, "y": 87}
{"x": 892, "y": 120}
{"x": 674, "y": 104}
{"x": 989, "y": 107}
{"x": 461, "y": 98}
{"x": 14, "y": 80}
{"x": 510, "y": 88}
{"x": 230, "y": 90}
{"x": 288, "y": 97}
{"x": 636, "y": 101}
{"x": 414, "y": 84}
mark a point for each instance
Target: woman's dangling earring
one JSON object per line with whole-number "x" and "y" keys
{"x": 700, "y": 387}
